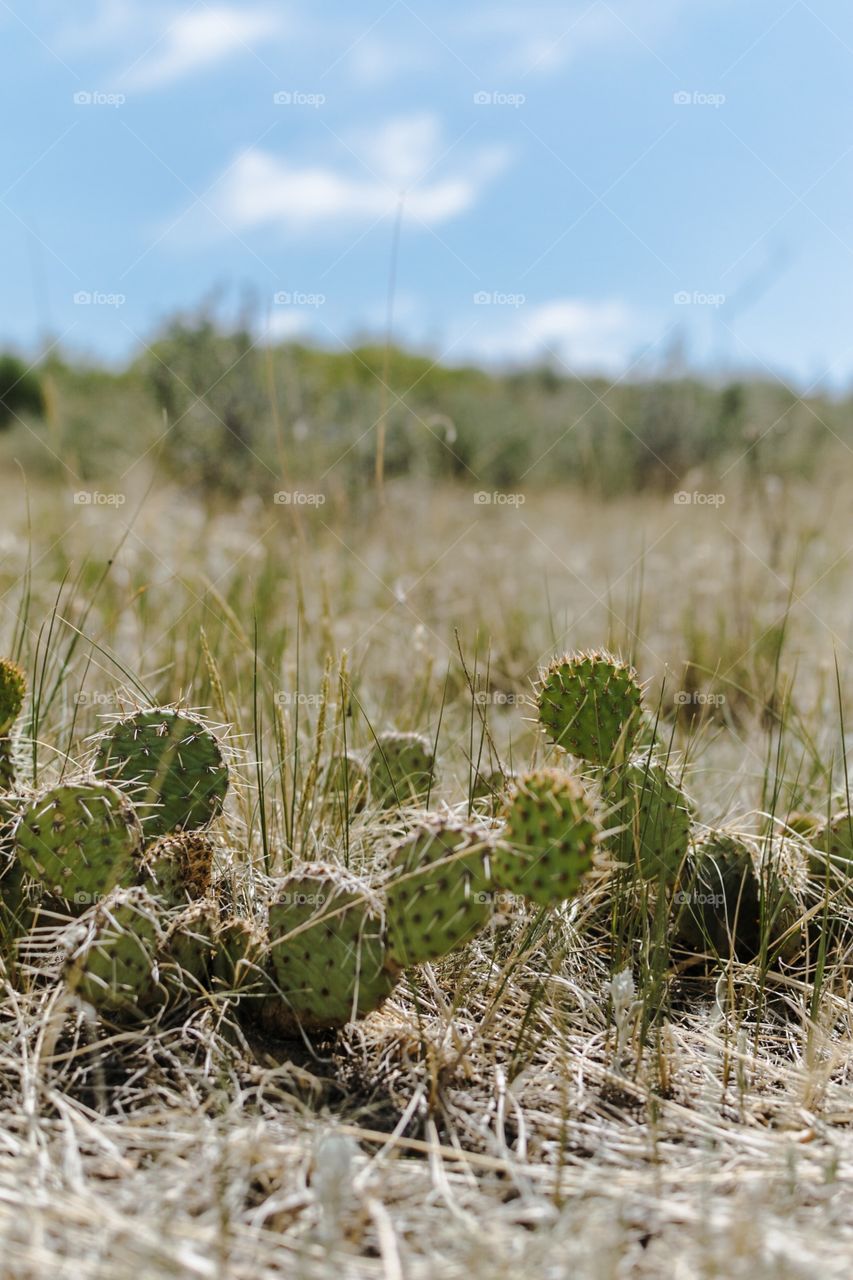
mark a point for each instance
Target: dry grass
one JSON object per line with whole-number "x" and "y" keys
{"x": 499, "y": 1116}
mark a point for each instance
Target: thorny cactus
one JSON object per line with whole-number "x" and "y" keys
{"x": 402, "y": 769}
{"x": 652, "y": 814}
{"x": 735, "y": 897}
{"x": 439, "y": 891}
{"x": 327, "y": 951}
{"x": 13, "y": 689}
{"x": 171, "y": 766}
{"x": 179, "y": 868}
{"x": 590, "y": 705}
{"x": 549, "y": 837}
{"x": 79, "y": 840}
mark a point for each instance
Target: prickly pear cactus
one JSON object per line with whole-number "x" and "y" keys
{"x": 327, "y": 950}
{"x": 79, "y": 841}
{"x": 439, "y": 892}
{"x": 653, "y": 815}
{"x": 179, "y": 868}
{"x": 113, "y": 964}
{"x": 13, "y": 689}
{"x": 402, "y": 769}
{"x": 186, "y": 956}
{"x": 238, "y": 957}
{"x": 733, "y": 897}
{"x": 348, "y": 782}
{"x": 590, "y": 705}
{"x": 172, "y": 767}
{"x": 549, "y": 837}
{"x": 805, "y": 824}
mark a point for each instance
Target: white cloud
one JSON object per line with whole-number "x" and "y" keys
{"x": 201, "y": 38}
{"x": 541, "y": 38}
{"x": 263, "y": 189}
{"x": 595, "y": 336}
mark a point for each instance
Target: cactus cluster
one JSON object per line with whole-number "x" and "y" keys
{"x": 127, "y": 856}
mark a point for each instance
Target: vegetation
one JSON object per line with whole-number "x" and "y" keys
{"x": 634, "y": 1061}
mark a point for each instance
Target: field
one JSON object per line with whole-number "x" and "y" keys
{"x": 505, "y": 1112}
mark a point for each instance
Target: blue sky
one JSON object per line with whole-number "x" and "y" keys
{"x": 597, "y": 183}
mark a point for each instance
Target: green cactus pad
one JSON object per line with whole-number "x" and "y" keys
{"x": 439, "y": 893}
{"x": 402, "y": 769}
{"x": 172, "y": 767}
{"x": 327, "y": 949}
{"x": 79, "y": 841}
{"x": 806, "y": 824}
{"x": 114, "y": 965}
{"x": 654, "y": 817}
{"x": 179, "y": 869}
{"x": 549, "y": 837}
{"x": 348, "y": 782}
{"x": 589, "y": 704}
{"x": 185, "y": 959}
{"x": 13, "y": 689}
{"x": 239, "y": 950}
{"x": 730, "y": 898}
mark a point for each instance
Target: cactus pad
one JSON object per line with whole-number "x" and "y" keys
{"x": 172, "y": 767}
{"x": 239, "y": 948}
{"x": 348, "y": 782}
{"x": 79, "y": 841}
{"x": 13, "y": 688}
{"x": 549, "y": 838}
{"x": 115, "y": 966}
{"x": 728, "y": 902}
{"x": 327, "y": 949}
{"x": 439, "y": 895}
{"x": 179, "y": 868}
{"x": 654, "y": 816}
{"x": 402, "y": 769}
{"x": 589, "y": 704}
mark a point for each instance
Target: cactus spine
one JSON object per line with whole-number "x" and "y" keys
{"x": 402, "y": 769}
{"x": 549, "y": 837}
{"x": 79, "y": 841}
{"x": 327, "y": 950}
{"x": 439, "y": 894}
{"x": 172, "y": 767}
{"x": 589, "y": 704}
{"x": 13, "y": 689}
